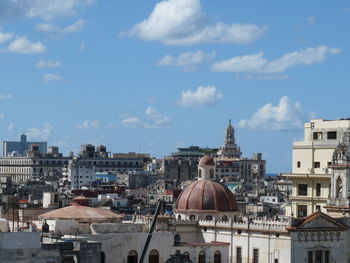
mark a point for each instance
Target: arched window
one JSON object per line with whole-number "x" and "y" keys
{"x": 208, "y": 218}
{"x": 211, "y": 173}
{"x": 179, "y": 217}
{"x": 132, "y": 256}
{"x": 153, "y": 256}
{"x": 339, "y": 188}
{"x": 192, "y": 217}
{"x": 217, "y": 257}
{"x": 201, "y": 257}
{"x": 186, "y": 255}
{"x": 224, "y": 218}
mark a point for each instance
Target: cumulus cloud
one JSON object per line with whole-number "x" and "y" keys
{"x": 51, "y": 77}
{"x": 156, "y": 117}
{"x": 55, "y": 30}
{"x": 88, "y": 125}
{"x": 6, "y": 96}
{"x": 186, "y": 60}
{"x": 21, "y": 45}
{"x": 257, "y": 64}
{"x": 283, "y": 117}
{"x": 48, "y": 64}
{"x": 10, "y": 9}
{"x": 152, "y": 119}
{"x": 183, "y": 22}
{"x": 203, "y": 96}
{"x": 4, "y": 37}
{"x": 40, "y": 134}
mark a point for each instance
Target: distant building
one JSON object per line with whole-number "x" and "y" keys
{"x": 20, "y": 148}
{"x": 183, "y": 164}
{"x": 230, "y": 164}
{"x": 34, "y": 164}
{"x": 80, "y": 173}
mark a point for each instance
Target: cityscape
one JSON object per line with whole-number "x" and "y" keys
{"x": 169, "y": 131}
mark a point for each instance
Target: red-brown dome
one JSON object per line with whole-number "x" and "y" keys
{"x": 206, "y": 160}
{"x": 206, "y": 195}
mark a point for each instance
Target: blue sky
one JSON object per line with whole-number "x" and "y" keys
{"x": 151, "y": 76}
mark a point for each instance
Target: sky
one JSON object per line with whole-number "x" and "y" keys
{"x": 151, "y": 76}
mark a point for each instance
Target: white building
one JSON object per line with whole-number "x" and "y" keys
{"x": 311, "y": 165}
{"x": 80, "y": 173}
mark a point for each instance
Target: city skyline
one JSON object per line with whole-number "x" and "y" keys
{"x": 125, "y": 75}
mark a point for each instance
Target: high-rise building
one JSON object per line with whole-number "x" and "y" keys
{"x": 12, "y": 148}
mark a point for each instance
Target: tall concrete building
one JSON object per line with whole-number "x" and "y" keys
{"x": 312, "y": 165}
{"x": 21, "y": 147}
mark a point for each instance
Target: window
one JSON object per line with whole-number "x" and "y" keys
{"x": 318, "y": 189}
{"x": 302, "y": 189}
{"x": 192, "y": 217}
{"x": 208, "y": 218}
{"x": 199, "y": 173}
{"x": 255, "y": 255}
{"x": 217, "y": 257}
{"x": 318, "y": 208}
{"x": 317, "y": 165}
{"x": 302, "y": 210}
{"x": 153, "y": 256}
{"x": 239, "y": 255}
{"x": 132, "y": 256}
{"x": 211, "y": 173}
{"x": 224, "y": 218}
{"x": 332, "y": 135}
{"x": 201, "y": 257}
{"x": 186, "y": 255}
{"x": 318, "y": 256}
{"x": 317, "y": 135}
{"x": 298, "y": 164}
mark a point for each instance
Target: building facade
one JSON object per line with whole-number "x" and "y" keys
{"x": 312, "y": 165}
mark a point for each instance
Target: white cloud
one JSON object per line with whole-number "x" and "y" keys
{"x": 261, "y": 77}
{"x": 40, "y": 134}
{"x": 50, "y": 77}
{"x": 203, "y": 96}
{"x": 182, "y": 22}
{"x": 82, "y": 47}
{"x": 11, "y": 127}
{"x": 48, "y": 64}
{"x": 153, "y": 119}
{"x": 23, "y": 46}
{"x": 88, "y": 125}
{"x": 311, "y": 19}
{"x": 51, "y": 28}
{"x": 157, "y": 118}
{"x": 284, "y": 116}
{"x": 4, "y": 37}
{"x": 186, "y": 60}
{"x": 2, "y": 115}
{"x": 132, "y": 122}
{"x": 257, "y": 64}
{"x": 45, "y": 9}
{"x": 6, "y": 96}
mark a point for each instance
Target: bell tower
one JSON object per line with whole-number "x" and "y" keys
{"x": 339, "y": 202}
